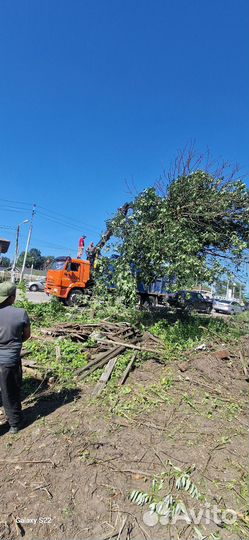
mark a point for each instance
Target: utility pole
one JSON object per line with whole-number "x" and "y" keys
{"x": 227, "y": 291}
{"x": 13, "y": 268}
{"x": 28, "y": 242}
{"x": 31, "y": 271}
{"x": 16, "y": 254}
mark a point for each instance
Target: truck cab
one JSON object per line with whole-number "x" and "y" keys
{"x": 67, "y": 279}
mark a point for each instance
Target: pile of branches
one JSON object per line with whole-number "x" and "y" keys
{"x": 109, "y": 340}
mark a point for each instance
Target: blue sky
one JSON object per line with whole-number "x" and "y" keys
{"x": 94, "y": 93}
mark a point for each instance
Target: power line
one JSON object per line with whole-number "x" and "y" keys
{"x": 46, "y": 217}
{"x": 68, "y": 221}
{"x": 55, "y": 246}
{"x": 11, "y": 209}
{"x": 7, "y": 227}
{"x": 62, "y": 219}
{"x": 66, "y": 218}
{"x": 69, "y": 225}
{"x": 16, "y": 202}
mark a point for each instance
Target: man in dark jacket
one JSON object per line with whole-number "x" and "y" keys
{"x": 90, "y": 254}
{"x": 14, "y": 330}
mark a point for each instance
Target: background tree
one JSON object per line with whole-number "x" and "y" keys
{"x": 5, "y": 262}
{"x": 192, "y": 228}
{"x": 35, "y": 257}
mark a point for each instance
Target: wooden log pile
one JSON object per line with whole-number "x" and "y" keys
{"x": 81, "y": 332}
{"x": 109, "y": 340}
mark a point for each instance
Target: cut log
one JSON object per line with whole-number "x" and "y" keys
{"x": 58, "y": 354}
{"x": 104, "y": 377}
{"x": 243, "y": 363}
{"x": 33, "y": 372}
{"x": 128, "y": 369}
{"x": 101, "y": 359}
{"x": 29, "y": 363}
{"x": 93, "y": 368}
{"x": 151, "y": 336}
{"x": 42, "y": 338}
{"x": 106, "y": 356}
{"x": 131, "y": 346}
{"x": 25, "y": 353}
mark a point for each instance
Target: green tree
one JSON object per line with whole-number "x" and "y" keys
{"x": 34, "y": 257}
{"x": 192, "y": 230}
{"x": 5, "y": 262}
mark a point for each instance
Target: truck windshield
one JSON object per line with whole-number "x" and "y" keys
{"x": 57, "y": 265}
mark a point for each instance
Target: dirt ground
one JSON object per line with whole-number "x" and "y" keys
{"x": 69, "y": 473}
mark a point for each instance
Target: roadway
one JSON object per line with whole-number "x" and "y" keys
{"x": 35, "y": 297}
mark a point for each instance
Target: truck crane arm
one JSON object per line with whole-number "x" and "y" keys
{"x": 109, "y": 231}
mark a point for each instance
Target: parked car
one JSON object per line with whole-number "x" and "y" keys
{"x": 190, "y": 300}
{"x": 36, "y": 285}
{"x": 227, "y": 306}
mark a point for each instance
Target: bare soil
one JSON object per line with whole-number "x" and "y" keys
{"x": 69, "y": 473}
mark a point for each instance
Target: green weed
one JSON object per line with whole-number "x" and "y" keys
{"x": 187, "y": 334}
{"x": 72, "y": 358}
{"x": 133, "y": 401}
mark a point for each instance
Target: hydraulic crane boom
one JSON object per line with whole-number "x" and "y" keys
{"x": 109, "y": 232}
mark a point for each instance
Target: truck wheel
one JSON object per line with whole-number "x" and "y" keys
{"x": 74, "y": 298}
{"x": 148, "y": 302}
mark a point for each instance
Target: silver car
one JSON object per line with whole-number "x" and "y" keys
{"x": 227, "y": 306}
{"x": 37, "y": 285}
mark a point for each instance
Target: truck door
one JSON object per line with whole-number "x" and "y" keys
{"x": 71, "y": 274}
{"x": 85, "y": 273}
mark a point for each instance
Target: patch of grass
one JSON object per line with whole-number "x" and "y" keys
{"x": 232, "y": 409}
{"x": 178, "y": 336}
{"x": 53, "y": 312}
{"x": 130, "y": 401}
{"x": 46, "y": 314}
{"x": 67, "y": 512}
{"x": 213, "y": 407}
{"x": 190, "y": 401}
{"x": 187, "y": 334}
{"x": 72, "y": 358}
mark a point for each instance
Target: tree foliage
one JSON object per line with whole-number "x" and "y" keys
{"x": 35, "y": 257}
{"x": 5, "y": 262}
{"x": 192, "y": 231}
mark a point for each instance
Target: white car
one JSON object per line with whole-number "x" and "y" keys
{"x": 227, "y": 306}
{"x": 36, "y": 285}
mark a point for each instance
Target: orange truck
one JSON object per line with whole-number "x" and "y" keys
{"x": 68, "y": 279}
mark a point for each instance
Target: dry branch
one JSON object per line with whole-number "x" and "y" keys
{"x": 131, "y": 346}
{"x": 58, "y": 353}
{"x": 241, "y": 357}
{"x": 128, "y": 369}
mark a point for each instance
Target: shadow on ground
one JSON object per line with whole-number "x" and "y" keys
{"x": 45, "y": 402}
